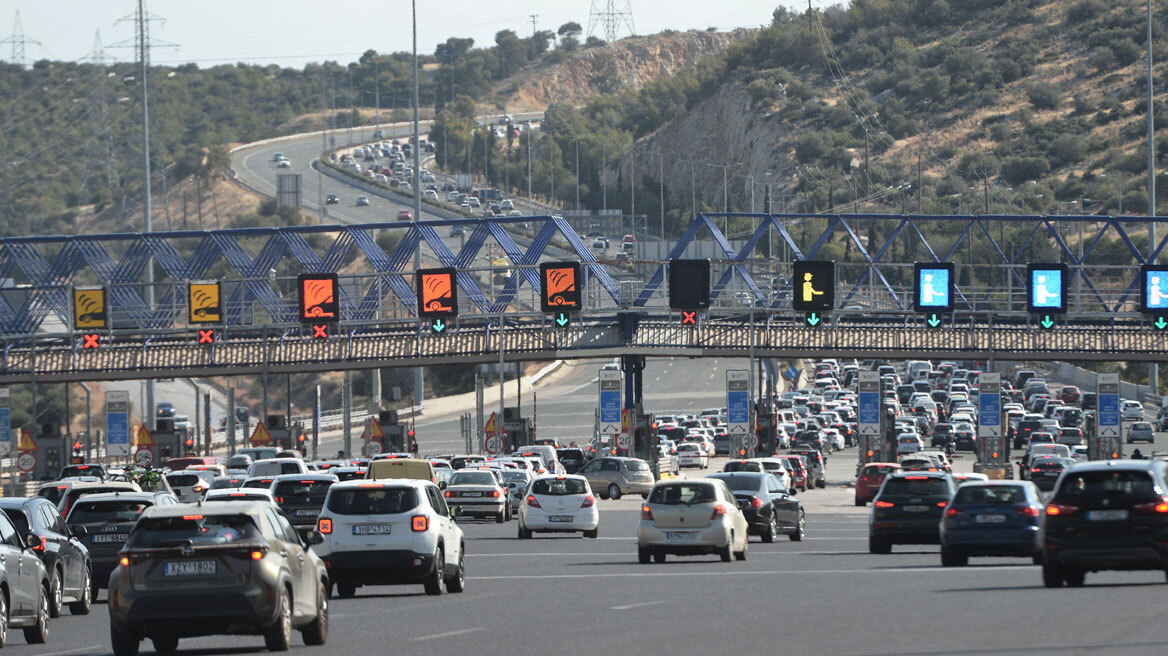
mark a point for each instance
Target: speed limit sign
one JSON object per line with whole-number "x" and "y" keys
{"x": 26, "y": 461}
{"x": 494, "y": 444}
{"x": 750, "y": 441}
{"x": 144, "y": 456}
{"x": 624, "y": 441}
{"x": 372, "y": 448}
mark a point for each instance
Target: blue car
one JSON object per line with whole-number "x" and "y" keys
{"x": 992, "y": 518}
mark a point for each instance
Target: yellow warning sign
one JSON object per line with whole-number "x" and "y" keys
{"x": 261, "y": 436}
{"x": 489, "y": 429}
{"x": 624, "y": 420}
{"x": 26, "y": 442}
{"x": 373, "y": 430}
{"x": 144, "y": 437}
{"x": 203, "y": 299}
{"x": 89, "y": 309}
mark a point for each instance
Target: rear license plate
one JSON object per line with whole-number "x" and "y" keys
{"x": 189, "y": 568}
{"x": 308, "y": 512}
{"x": 101, "y": 538}
{"x": 674, "y": 535}
{"x": 371, "y": 529}
{"x": 916, "y": 509}
{"x": 990, "y": 519}
{"x": 1106, "y": 515}
{"x": 560, "y": 518}
{"x": 471, "y": 494}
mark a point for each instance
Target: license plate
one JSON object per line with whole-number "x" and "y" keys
{"x": 308, "y": 512}
{"x": 371, "y": 529}
{"x": 990, "y": 519}
{"x": 916, "y": 508}
{"x": 560, "y": 518}
{"x": 1106, "y": 515}
{"x": 189, "y": 568}
{"x": 471, "y": 494}
{"x": 680, "y": 536}
{"x": 109, "y": 537}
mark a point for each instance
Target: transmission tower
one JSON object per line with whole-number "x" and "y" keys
{"x": 18, "y": 40}
{"x": 611, "y": 17}
{"x": 99, "y": 152}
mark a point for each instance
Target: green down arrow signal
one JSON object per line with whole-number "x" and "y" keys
{"x": 813, "y": 320}
{"x": 1046, "y": 322}
{"x": 562, "y": 319}
{"x": 1160, "y": 323}
{"x": 933, "y": 320}
{"x": 438, "y": 326}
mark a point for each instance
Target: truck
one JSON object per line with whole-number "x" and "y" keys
{"x": 463, "y": 182}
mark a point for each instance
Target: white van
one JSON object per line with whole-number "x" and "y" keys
{"x": 277, "y": 466}
{"x": 546, "y": 454}
{"x": 919, "y": 369}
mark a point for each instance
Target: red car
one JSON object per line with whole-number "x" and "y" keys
{"x": 1070, "y": 394}
{"x": 798, "y": 471}
{"x": 871, "y": 478}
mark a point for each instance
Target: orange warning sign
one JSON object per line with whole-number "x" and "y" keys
{"x": 561, "y": 286}
{"x": 26, "y": 442}
{"x": 261, "y": 436}
{"x": 318, "y": 297}
{"x": 144, "y": 437}
{"x": 436, "y": 297}
{"x": 373, "y": 430}
{"x": 489, "y": 429}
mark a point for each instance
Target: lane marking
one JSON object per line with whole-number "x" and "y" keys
{"x": 769, "y": 572}
{"x": 448, "y": 634}
{"x": 640, "y": 605}
{"x": 78, "y": 650}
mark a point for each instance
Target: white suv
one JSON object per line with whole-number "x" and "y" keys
{"x": 390, "y": 532}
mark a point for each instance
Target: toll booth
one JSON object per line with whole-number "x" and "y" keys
{"x": 645, "y": 437}
{"x": 767, "y": 430}
{"x": 285, "y": 435}
{"x": 52, "y": 449}
{"x": 168, "y": 442}
{"x": 516, "y": 430}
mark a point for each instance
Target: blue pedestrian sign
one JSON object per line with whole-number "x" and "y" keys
{"x": 934, "y": 287}
{"x": 1048, "y": 288}
{"x": 1154, "y": 289}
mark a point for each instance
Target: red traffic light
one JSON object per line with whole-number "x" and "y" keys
{"x": 301, "y": 437}
{"x": 77, "y": 446}
{"x": 190, "y": 442}
{"x": 411, "y": 433}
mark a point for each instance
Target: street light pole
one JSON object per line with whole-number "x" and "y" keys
{"x": 419, "y": 384}
{"x": 148, "y": 411}
{"x": 1153, "y": 370}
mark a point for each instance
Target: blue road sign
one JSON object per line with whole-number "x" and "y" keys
{"x": 792, "y": 373}
{"x": 934, "y": 286}
{"x": 1048, "y": 288}
{"x": 869, "y": 408}
{"x": 989, "y": 411}
{"x": 737, "y": 407}
{"x": 117, "y": 430}
{"x": 1108, "y": 410}
{"x": 610, "y": 399}
{"x": 5, "y": 430}
{"x": 1155, "y": 289}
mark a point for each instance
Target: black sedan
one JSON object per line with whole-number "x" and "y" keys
{"x": 964, "y": 440}
{"x": 1045, "y": 472}
{"x": 908, "y": 510}
{"x": 66, "y": 559}
{"x": 769, "y": 510}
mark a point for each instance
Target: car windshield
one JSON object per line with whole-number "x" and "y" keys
{"x": 914, "y": 486}
{"x": 742, "y": 483}
{"x": 194, "y": 529}
{"x": 558, "y": 487}
{"x": 676, "y": 494}
{"x": 373, "y": 501}
{"x": 472, "y": 478}
{"x": 1121, "y": 485}
{"x": 459, "y": 463}
{"x": 990, "y": 494}
{"x": 636, "y": 466}
{"x": 309, "y": 491}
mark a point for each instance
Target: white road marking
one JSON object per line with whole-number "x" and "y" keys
{"x": 78, "y": 650}
{"x": 769, "y": 572}
{"x": 448, "y": 634}
{"x": 640, "y": 605}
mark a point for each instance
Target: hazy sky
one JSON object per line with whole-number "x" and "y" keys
{"x": 292, "y": 32}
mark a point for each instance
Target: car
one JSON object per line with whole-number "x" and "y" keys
{"x": 25, "y": 581}
{"x": 65, "y": 558}
{"x": 477, "y": 492}
{"x": 277, "y": 157}
{"x": 332, "y": 199}
{"x": 908, "y": 510}
{"x": 240, "y": 494}
{"x": 870, "y": 478}
{"x": 1070, "y": 394}
{"x": 613, "y": 477}
{"x": 992, "y": 518}
{"x": 777, "y": 467}
{"x": 908, "y": 443}
{"x": 1141, "y": 431}
{"x": 189, "y": 486}
{"x": 272, "y": 467}
{"x": 165, "y": 409}
{"x": 571, "y": 458}
{"x": 83, "y": 469}
{"x": 404, "y": 215}
{"x": 1131, "y": 411}
{"x": 816, "y": 465}
{"x": 1106, "y": 515}
{"x": 70, "y": 496}
{"x": 558, "y": 504}
{"x": 797, "y": 465}
{"x": 301, "y": 497}
{"x": 107, "y": 520}
{"x": 391, "y": 532}
{"x": 691, "y": 454}
{"x": 516, "y": 482}
{"x": 1045, "y": 472}
{"x": 691, "y": 517}
{"x": 362, "y": 200}
{"x": 767, "y": 505}
{"x": 217, "y": 568}
{"x": 284, "y": 164}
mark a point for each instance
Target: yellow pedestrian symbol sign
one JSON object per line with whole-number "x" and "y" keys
{"x": 814, "y": 286}
{"x": 204, "y": 302}
{"x": 89, "y": 308}
{"x": 809, "y": 291}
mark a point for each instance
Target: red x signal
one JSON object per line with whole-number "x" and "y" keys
{"x": 320, "y": 332}
{"x": 90, "y": 341}
{"x": 206, "y": 336}
{"x": 689, "y": 318}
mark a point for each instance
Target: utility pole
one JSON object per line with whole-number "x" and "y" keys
{"x": 603, "y": 187}
{"x": 633, "y": 186}
{"x": 661, "y": 190}
{"x": 533, "y": 17}
{"x": 918, "y": 182}
{"x": 867, "y": 169}
{"x": 577, "y": 173}
{"x": 530, "y": 203}
{"x": 419, "y": 384}
{"x": 143, "y": 50}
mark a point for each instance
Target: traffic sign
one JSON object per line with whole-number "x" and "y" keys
{"x": 372, "y": 448}
{"x": 144, "y": 456}
{"x": 869, "y": 392}
{"x": 1048, "y": 290}
{"x": 117, "y": 422}
{"x": 26, "y": 461}
{"x": 560, "y": 292}
{"x": 319, "y": 298}
{"x": 260, "y": 436}
{"x": 26, "y": 442}
{"x": 814, "y": 288}
{"x": 204, "y": 302}
{"x": 1154, "y": 289}
{"x": 624, "y": 441}
{"x": 5, "y": 422}
{"x": 437, "y": 298}
{"x": 610, "y": 402}
{"x": 989, "y": 410}
{"x": 490, "y": 428}
{"x": 144, "y": 437}
{"x": 737, "y": 401}
{"x": 494, "y": 444}
{"x": 89, "y": 308}
{"x": 689, "y": 284}
{"x": 934, "y": 288}
{"x": 1107, "y": 397}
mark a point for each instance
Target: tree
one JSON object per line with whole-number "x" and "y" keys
{"x": 571, "y": 28}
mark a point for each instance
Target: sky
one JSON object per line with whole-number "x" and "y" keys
{"x": 294, "y": 32}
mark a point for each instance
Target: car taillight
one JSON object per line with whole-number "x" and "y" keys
{"x": 1160, "y": 506}
{"x": 755, "y": 503}
{"x": 448, "y": 494}
{"x": 495, "y": 494}
{"x": 125, "y": 561}
{"x": 420, "y": 523}
{"x": 884, "y": 504}
{"x": 953, "y": 512}
{"x": 533, "y": 502}
{"x": 198, "y": 488}
{"x": 324, "y": 525}
{"x": 646, "y": 513}
{"x": 258, "y": 554}
{"x": 719, "y": 511}
{"x": 279, "y": 499}
{"x": 1028, "y": 511}
{"x": 40, "y": 548}
{"x": 942, "y": 504}
{"x": 589, "y": 501}
{"x": 1053, "y": 509}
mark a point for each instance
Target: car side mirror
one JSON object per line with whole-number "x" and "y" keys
{"x": 441, "y": 485}
{"x": 32, "y": 541}
{"x": 79, "y": 531}
{"x": 313, "y": 537}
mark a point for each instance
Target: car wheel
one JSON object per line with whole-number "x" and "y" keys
{"x": 38, "y": 633}
{"x": 1052, "y": 577}
{"x": 123, "y": 642}
{"x": 3, "y": 619}
{"x": 772, "y": 528}
{"x": 457, "y": 582}
{"x": 499, "y": 517}
{"x": 725, "y": 553}
{"x": 614, "y": 492}
{"x": 800, "y": 529}
{"x": 1037, "y": 558}
{"x": 316, "y": 632}
{"x": 861, "y": 502}
{"x": 82, "y": 606}
{"x": 165, "y": 644}
{"x": 643, "y": 555}
{"x": 876, "y": 546}
{"x": 278, "y": 636}
{"x": 741, "y": 555}
{"x": 658, "y": 556}
{"x": 55, "y": 602}
{"x": 524, "y": 533}
{"x": 433, "y": 582}
{"x": 593, "y": 534}
{"x": 950, "y": 559}
{"x": 1075, "y": 577}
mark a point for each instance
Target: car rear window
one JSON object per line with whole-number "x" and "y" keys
{"x": 373, "y": 501}
{"x": 878, "y": 471}
{"x": 459, "y": 463}
{"x": 737, "y": 466}
{"x": 182, "y": 480}
{"x": 257, "y": 482}
{"x": 569, "y": 454}
{"x": 76, "y": 493}
{"x": 915, "y": 486}
{"x": 220, "y": 483}
{"x": 194, "y": 529}
{"x": 118, "y": 510}
{"x": 82, "y": 470}
{"x": 990, "y": 494}
{"x": 302, "y": 491}
{"x": 676, "y": 494}
{"x": 558, "y": 487}
{"x": 743, "y": 483}
{"x": 348, "y": 475}
{"x": 1116, "y": 485}
{"x": 472, "y": 478}
{"x": 636, "y": 466}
